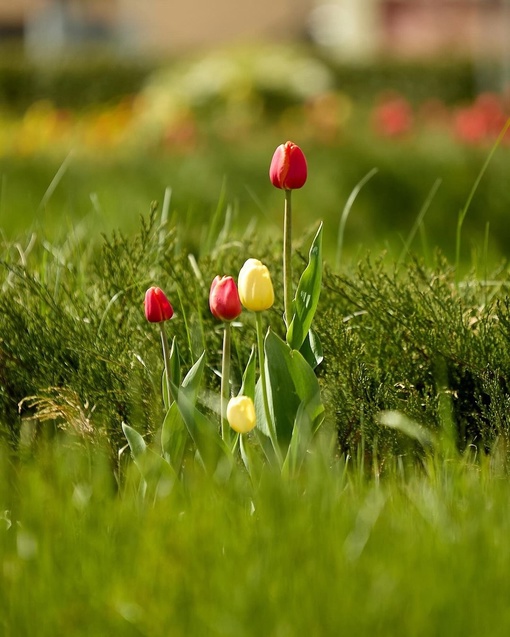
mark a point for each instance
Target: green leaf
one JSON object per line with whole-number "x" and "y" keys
{"x": 152, "y": 467}
{"x": 136, "y": 442}
{"x": 248, "y": 384}
{"x": 260, "y": 411}
{"x": 299, "y": 443}
{"x": 174, "y": 437}
{"x": 307, "y": 295}
{"x": 249, "y": 457}
{"x": 175, "y": 373}
{"x": 175, "y": 363}
{"x": 290, "y": 382}
{"x": 311, "y": 349}
{"x": 192, "y": 380}
{"x": 164, "y": 391}
{"x": 214, "y": 453}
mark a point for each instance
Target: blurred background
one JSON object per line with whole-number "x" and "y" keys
{"x": 107, "y": 104}
{"x": 350, "y": 28}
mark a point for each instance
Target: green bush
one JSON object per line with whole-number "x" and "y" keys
{"x": 92, "y": 78}
{"x": 452, "y": 80}
{"x": 417, "y": 341}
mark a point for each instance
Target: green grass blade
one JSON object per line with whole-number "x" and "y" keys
{"x": 463, "y": 212}
{"x": 346, "y": 212}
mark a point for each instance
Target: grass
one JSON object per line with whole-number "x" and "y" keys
{"x": 101, "y": 193}
{"x": 339, "y": 551}
{"x": 378, "y": 535}
{"x": 75, "y": 343}
{"x": 383, "y": 532}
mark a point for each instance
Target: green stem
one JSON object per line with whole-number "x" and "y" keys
{"x": 287, "y": 257}
{"x": 166, "y": 358}
{"x": 225, "y": 383}
{"x": 270, "y": 424}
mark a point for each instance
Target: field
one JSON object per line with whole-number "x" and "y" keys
{"x": 336, "y": 552}
{"x": 123, "y": 509}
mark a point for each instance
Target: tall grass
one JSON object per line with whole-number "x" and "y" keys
{"x": 338, "y": 551}
{"x": 102, "y": 194}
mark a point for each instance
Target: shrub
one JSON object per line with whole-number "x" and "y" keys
{"x": 412, "y": 339}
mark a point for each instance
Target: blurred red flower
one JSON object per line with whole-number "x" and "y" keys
{"x": 393, "y": 117}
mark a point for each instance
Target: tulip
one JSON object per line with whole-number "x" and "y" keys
{"x": 288, "y": 167}
{"x": 158, "y": 310}
{"x": 257, "y": 294}
{"x": 224, "y": 299}
{"x": 288, "y": 171}
{"x": 255, "y": 286}
{"x": 157, "y": 306}
{"x": 241, "y": 414}
{"x": 225, "y": 306}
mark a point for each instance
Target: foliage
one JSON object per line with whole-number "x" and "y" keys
{"x": 75, "y": 348}
{"x": 100, "y": 195}
{"x": 69, "y": 322}
{"x": 415, "y": 341}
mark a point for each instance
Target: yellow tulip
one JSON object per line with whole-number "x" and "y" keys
{"x": 241, "y": 414}
{"x": 255, "y": 286}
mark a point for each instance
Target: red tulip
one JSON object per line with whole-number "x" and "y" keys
{"x": 157, "y": 306}
{"x": 224, "y": 299}
{"x": 288, "y": 167}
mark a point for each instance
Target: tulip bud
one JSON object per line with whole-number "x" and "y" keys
{"x": 157, "y": 306}
{"x": 241, "y": 414}
{"x": 224, "y": 299}
{"x": 288, "y": 167}
{"x": 255, "y": 286}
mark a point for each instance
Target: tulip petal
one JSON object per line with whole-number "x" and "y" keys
{"x": 224, "y": 301}
{"x": 288, "y": 169}
{"x": 157, "y": 306}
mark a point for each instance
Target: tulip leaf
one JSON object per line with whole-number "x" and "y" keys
{"x": 301, "y": 437}
{"x": 248, "y": 384}
{"x": 136, "y": 442}
{"x": 311, "y": 349}
{"x": 213, "y": 451}
{"x": 211, "y": 448}
{"x": 152, "y": 467}
{"x": 192, "y": 380}
{"x": 307, "y": 295}
{"x": 262, "y": 431}
{"x": 164, "y": 391}
{"x": 175, "y": 374}
{"x": 249, "y": 456}
{"x": 290, "y": 382}
{"x": 174, "y": 437}
{"x": 260, "y": 410}
{"x": 245, "y": 455}
{"x": 175, "y": 363}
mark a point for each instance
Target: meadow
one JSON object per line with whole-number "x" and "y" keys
{"x": 393, "y": 517}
